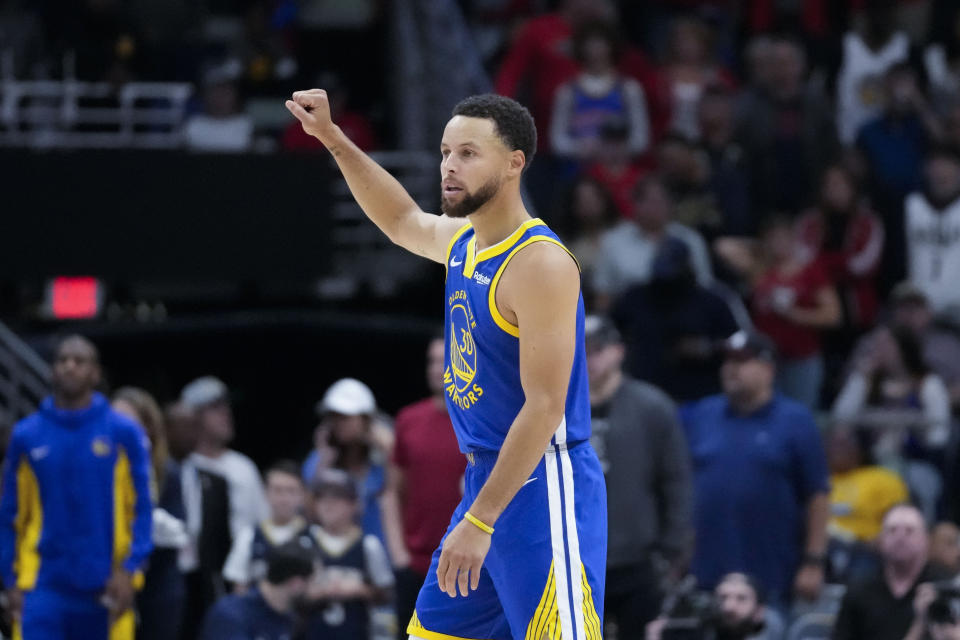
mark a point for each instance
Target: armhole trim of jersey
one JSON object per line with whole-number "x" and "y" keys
{"x": 453, "y": 240}
{"x": 498, "y": 318}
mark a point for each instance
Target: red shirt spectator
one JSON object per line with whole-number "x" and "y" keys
{"x": 540, "y": 59}
{"x": 620, "y": 181}
{"x": 426, "y": 451}
{"x": 775, "y": 290}
{"x": 847, "y": 240}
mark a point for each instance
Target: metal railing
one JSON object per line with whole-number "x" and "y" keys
{"x": 72, "y": 114}
{"x": 24, "y": 376}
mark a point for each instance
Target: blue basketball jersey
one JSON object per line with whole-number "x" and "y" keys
{"x": 482, "y": 372}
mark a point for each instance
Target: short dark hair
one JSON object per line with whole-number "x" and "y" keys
{"x": 289, "y": 560}
{"x": 62, "y": 340}
{"x": 759, "y": 591}
{"x": 511, "y": 120}
{"x": 286, "y": 467}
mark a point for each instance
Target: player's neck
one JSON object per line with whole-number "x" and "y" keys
{"x": 498, "y": 218}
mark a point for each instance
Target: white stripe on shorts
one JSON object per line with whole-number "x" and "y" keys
{"x": 566, "y": 568}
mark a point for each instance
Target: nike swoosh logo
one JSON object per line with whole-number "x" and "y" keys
{"x": 455, "y": 263}
{"x": 528, "y": 482}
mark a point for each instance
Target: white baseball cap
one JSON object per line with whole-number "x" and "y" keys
{"x": 348, "y": 396}
{"x": 203, "y": 392}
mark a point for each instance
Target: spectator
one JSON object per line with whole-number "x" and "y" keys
{"x": 847, "y": 239}
{"x": 860, "y": 494}
{"x": 627, "y": 250}
{"x": 539, "y": 59}
{"x": 673, "y": 327}
{"x": 598, "y": 95}
{"x": 688, "y": 71}
{"x": 350, "y": 438}
{"x": 75, "y": 511}
{"x": 210, "y": 399}
{"x": 932, "y": 220}
{"x": 356, "y": 572}
{"x": 945, "y": 547}
{"x": 685, "y": 168}
{"x": 741, "y": 613}
{"x": 911, "y": 311}
{"x": 896, "y": 140}
{"x": 355, "y": 125}
{"x": 881, "y": 608}
{"x": 592, "y": 212}
{"x": 936, "y": 613}
{"x": 614, "y": 168}
{"x": 267, "y": 611}
{"x": 787, "y": 131}
{"x": 160, "y": 603}
{"x": 222, "y": 127}
{"x": 760, "y": 479}
{"x": 139, "y": 406}
{"x": 791, "y": 301}
{"x": 247, "y": 563}
{"x": 892, "y": 388}
{"x": 423, "y": 486}
{"x": 640, "y": 444}
{"x": 729, "y": 164}
{"x": 867, "y": 54}
{"x": 202, "y": 499}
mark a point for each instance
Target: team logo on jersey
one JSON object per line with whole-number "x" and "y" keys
{"x": 100, "y": 447}
{"x": 458, "y": 379}
{"x": 463, "y": 350}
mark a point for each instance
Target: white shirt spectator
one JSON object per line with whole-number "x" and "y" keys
{"x": 859, "y": 83}
{"x": 627, "y": 252}
{"x": 248, "y": 501}
{"x": 933, "y": 251}
{"x": 228, "y": 134}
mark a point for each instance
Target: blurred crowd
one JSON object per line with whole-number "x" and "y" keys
{"x": 765, "y": 200}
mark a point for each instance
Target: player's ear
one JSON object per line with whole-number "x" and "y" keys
{"x": 517, "y": 162}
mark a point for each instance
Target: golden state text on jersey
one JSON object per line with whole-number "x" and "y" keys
{"x": 482, "y": 370}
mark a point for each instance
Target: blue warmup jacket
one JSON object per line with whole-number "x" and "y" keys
{"x": 76, "y": 499}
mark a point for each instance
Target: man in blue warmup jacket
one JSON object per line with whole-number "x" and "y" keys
{"x": 75, "y": 513}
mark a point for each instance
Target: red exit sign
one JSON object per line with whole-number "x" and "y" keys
{"x": 74, "y": 297}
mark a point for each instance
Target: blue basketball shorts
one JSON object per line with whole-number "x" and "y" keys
{"x": 543, "y": 576}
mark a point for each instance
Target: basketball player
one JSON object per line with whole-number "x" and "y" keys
{"x": 526, "y": 548}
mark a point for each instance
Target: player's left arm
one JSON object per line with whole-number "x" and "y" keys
{"x": 137, "y": 448}
{"x": 541, "y": 289}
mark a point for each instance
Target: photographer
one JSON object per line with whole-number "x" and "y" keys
{"x": 737, "y": 611}
{"x": 936, "y": 612}
{"x": 884, "y": 607}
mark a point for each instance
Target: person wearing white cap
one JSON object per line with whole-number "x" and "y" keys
{"x": 351, "y": 437}
{"x": 209, "y": 399}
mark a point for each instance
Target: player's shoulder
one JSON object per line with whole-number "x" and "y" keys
{"x": 546, "y": 256}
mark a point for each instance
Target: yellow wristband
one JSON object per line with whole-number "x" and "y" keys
{"x": 480, "y": 524}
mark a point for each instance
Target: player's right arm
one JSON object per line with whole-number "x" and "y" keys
{"x": 381, "y": 197}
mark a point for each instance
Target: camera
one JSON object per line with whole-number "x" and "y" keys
{"x": 689, "y": 612}
{"x": 945, "y": 609}
{"x": 697, "y": 615}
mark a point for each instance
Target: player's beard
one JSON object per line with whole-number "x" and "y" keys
{"x": 471, "y": 201}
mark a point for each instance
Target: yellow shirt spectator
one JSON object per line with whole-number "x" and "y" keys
{"x": 859, "y": 498}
